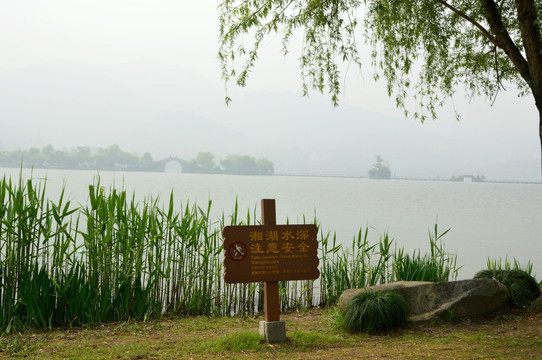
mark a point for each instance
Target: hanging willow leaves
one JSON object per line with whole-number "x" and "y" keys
{"x": 424, "y": 49}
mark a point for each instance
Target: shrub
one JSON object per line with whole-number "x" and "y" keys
{"x": 375, "y": 312}
{"x": 523, "y": 287}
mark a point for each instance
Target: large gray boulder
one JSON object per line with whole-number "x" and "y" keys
{"x": 429, "y": 300}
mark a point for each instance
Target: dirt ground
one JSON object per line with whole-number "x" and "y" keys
{"x": 508, "y": 335}
{"x": 474, "y": 339}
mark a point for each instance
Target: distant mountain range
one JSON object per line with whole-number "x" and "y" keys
{"x": 167, "y": 111}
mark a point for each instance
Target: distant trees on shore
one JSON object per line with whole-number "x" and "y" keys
{"x": 204, "y": 163}
{"x": 80, "y": 157}
{"x": 113, "y": 158}
{"x": 380, "y": 170}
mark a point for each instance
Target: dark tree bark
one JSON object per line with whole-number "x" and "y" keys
{"x": 529, "y": 65}
{"x": 532, "y": 42}
{"x": 503, "y": 39}
{"x": 529, "y": 62}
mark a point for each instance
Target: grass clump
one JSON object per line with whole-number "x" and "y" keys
{"x": 311, "y": 338}
{"x": 239, "y": 341}
{"x": 375, "y": 312}
{"x": 523, "y": 287}
{"x": 17, "y": 345}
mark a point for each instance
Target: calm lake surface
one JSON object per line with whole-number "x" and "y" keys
{"x": 487, "y": 220}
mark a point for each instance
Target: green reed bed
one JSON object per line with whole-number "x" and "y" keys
{"x": 115, "y": 258}
{"x": 438, "y": 265}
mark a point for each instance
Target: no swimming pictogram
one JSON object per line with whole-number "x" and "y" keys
{"x": 237, "y": 251}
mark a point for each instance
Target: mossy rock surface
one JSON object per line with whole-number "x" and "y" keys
{"x": 428, "y": 300}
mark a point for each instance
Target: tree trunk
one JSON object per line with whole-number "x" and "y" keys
{"x": 538, "y": 102}
{"x": 532, "y": 43}
{"x": 540, "y": 133}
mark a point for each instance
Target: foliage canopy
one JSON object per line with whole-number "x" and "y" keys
{"x": 481, "y": 44}
{"x": 424, "y": 49}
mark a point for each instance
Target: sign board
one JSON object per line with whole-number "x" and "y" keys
{"x": 268, "y": 253}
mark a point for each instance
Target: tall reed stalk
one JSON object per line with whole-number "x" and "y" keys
{"x": 115, "y": 258}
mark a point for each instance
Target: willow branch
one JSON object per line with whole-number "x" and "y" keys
{"x": 476, "y": 24}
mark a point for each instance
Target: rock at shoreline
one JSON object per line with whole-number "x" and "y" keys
{"x": 429, "y": 300}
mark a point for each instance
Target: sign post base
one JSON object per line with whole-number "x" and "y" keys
{"x": 273, "y": 331}
{"x": 270, "y": 253}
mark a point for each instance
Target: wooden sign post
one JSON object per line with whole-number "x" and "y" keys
{"x": 271, "y": 304}
{"x": 270, "y": 253}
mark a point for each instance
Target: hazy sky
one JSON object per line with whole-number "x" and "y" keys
{"x": 184, "y": 33}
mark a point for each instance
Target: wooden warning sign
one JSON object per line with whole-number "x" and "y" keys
{"x": 269, "y": 253}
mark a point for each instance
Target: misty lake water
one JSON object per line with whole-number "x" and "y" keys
{"x": 487, "y": 220}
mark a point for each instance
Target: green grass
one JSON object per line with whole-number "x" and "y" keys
{"x": 238, "y": 341}
{"x": 18, "y": 344}
{"x": 310, "y": 335}
{"x": 506, "y": 264}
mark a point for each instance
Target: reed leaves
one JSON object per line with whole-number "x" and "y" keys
{"x": 115, "y": 258}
